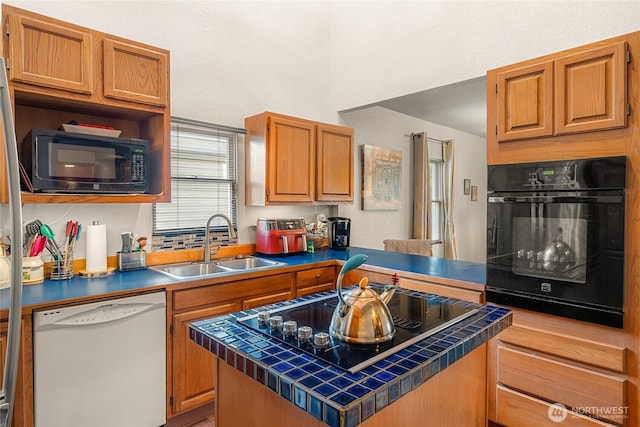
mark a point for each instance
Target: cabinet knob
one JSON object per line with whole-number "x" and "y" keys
{"x": 318, "y": 276}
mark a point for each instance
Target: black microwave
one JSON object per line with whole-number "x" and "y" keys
{"x": 64, "y": 162}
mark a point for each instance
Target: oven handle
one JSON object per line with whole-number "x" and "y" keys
{"x": 556, "y": 199}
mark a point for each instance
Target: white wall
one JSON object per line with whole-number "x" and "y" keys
{"x": 231, "y": 59}
{"x": 385, "y": 128}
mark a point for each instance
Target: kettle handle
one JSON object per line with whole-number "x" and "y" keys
{"x": 353, "y": 262}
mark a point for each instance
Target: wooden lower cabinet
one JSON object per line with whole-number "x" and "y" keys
{"x": 559, "y": 381}
{"x": 23, "y": 397}
{"x": 194, "y": 367}
{"x": 192, "y": 371}
{"x": 543, "y": 370}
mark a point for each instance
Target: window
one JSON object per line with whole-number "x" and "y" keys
{"x": 203, "y": 177}
{"x": 436, "y": 221}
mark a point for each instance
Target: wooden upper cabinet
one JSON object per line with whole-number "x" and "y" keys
{"x": 135, "y": 73}
{"x": 525, "y": 102}
{"x": 60, "y": 72}
{"x": 49, "y": 55}
{"x": 579, "y": 90}
{"x": 334, "y": 163}
{"x": 289, "y": 160}
{"x": 591, "y": 92}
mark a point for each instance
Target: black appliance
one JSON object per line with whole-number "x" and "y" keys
{"x": 66, "y": 162}
{"x": 339, "y": 233}
{"x": 555, "y": 241}
{"x": 415, "y": 319}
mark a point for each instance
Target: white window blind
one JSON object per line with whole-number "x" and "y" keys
{"x": 203, "y": 176}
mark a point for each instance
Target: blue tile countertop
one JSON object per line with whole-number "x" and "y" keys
{"x": 330, "y": 394}
{"x": 431, "y": 266}
{"x": 56, "y": 291}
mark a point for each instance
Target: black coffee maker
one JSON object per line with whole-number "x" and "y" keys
{"x": 339, "y": 233}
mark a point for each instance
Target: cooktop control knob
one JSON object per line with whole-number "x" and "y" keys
{"x": 304, "y": 333}
{"x": 289, "y": 328}
{"x": 275, "y": 323}
{"x": 263, "y": 318}
{"x": 321, "y": 340}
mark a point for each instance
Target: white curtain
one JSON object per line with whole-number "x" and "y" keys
{"x": 421, "y": 196}
{"x": 450, "y": 249}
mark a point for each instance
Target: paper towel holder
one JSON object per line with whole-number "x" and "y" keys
{"x": 107, "y": 271}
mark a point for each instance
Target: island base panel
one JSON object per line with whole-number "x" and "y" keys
{"x": 453, "y": 397}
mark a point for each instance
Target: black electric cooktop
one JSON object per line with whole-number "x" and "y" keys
{"x": 415, "y": 319}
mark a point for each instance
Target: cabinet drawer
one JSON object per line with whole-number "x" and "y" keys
{"x": 445, "y": 291}
{"x": 556, "y": 381}
{"x": 250, "y": 303}
{"x": 310, "y": 290}
{"x": 315, "y": 276}
{"x": 517, "y": 409}
{"x": 592, "y": 353}
{"x": 208, "y": 295}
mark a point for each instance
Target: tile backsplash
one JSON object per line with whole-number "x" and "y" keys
{"x": 178, "y": 241}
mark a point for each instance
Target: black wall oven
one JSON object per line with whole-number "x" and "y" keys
{"x": 555, "y": 241}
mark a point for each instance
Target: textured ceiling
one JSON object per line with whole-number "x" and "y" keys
{"x": 461, "y": 106}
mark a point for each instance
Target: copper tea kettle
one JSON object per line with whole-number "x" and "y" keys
{"x": 361, "y": 316}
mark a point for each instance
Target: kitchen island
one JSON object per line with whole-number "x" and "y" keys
{"x": 264, "y": 381}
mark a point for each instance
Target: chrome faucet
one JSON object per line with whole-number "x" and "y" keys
{"x": 207, "y": 243}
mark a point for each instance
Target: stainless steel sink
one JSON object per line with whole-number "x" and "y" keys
{"x": 249, "y": 263}
{"x": 190, "y": 269}
{"x": 225, "y": 266}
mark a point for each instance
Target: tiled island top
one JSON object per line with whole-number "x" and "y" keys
{"x": 328, "y": 393}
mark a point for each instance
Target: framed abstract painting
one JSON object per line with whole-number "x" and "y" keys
{"x": 381, "y": 178}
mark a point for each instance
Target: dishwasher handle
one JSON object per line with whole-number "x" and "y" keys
{"x": 103, "y": 314}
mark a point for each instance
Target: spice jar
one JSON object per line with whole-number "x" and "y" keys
{"x": 32, "y": 270}
{"x": 5, "y": 271}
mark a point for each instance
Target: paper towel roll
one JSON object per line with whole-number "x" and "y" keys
{"x": 96, "y": 247}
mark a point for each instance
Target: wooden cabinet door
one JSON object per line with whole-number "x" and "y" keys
{"x": 525, "y": 102}
{"x": 135, "y": 73}
{"x": 591, "y": 90}
{"x": 49, "y": 55}
{"x": 23, "y": 396}
{"x": 290, "y": 160}
{"x": 193, "y": 369}
{"x": 334, "y": 163}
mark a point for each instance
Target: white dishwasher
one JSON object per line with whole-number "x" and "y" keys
{"x": 101, "y": 364}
